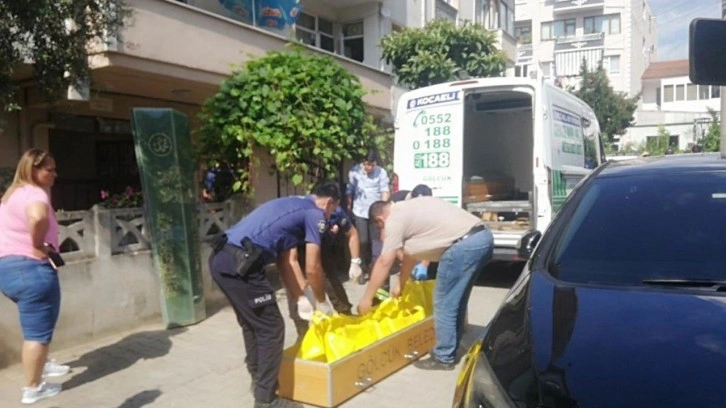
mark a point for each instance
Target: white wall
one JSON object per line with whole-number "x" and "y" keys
{"x": 406, "y": 13}
{"x": 101, "y": 297}
{"x": 638, "y": 135}
{"x": 677, "y": 123}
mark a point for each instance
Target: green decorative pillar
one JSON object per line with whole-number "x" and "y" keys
{"x": 164, "y": 155}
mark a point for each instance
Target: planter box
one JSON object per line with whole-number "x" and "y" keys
{"x": 329, "y": 385}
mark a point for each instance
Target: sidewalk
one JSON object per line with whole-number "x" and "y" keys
{"x": 202, "y": 365}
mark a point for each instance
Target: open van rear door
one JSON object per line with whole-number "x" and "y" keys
{"x": 428, "y": 146}
{"x": 574, "y": 152}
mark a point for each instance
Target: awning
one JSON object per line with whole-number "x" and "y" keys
{"x": 568, "y": 63}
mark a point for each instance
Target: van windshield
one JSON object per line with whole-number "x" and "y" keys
{"x": 635, "y": 228}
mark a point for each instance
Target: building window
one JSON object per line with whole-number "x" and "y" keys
{"x": 315, "y": 31}
{"x": 523, "y": 34}
{"x": 445, "y": 11}
{"x": 498, "y": 15}
{"x": 353, "y": 41}
{"x": 680, "y": 92}
{"x": 692, "y": 92}
{"x": 552, "y": 30}
{"x": 490, "y": 15}
{"x": 658, "y": 96}
{"x": 715, "y": 92}
{"x": 608, "y": 24}
{"x": 611, "y": 63}
{"x": 704, "y": 92}
{"x": 521, "y": 71}
{"x": 668, "y": 93}
{"x": 506, "y": 18}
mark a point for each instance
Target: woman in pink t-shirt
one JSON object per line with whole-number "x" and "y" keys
{"x": 28, "y": 231}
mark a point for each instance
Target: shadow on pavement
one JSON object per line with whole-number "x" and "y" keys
{"x": 121, "y": 355}
{"x": 471, "y": 334}
{"x": 141, "y": 399}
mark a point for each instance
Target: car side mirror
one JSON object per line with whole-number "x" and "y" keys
{"x": 527, "y": 244}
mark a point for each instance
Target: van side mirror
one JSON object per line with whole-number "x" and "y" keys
{"x": 526, "y": 245}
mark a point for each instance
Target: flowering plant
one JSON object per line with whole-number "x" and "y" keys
{"x": 127, "y": 199}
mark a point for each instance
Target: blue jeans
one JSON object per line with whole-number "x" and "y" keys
{"x": 459, "y": 267}
{"x": 33, "y": 286}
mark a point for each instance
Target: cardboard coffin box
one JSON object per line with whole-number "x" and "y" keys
{"x": 481, "y": 190}
{"x": 329, "y": 385}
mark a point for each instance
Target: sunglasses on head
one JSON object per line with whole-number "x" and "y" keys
{"x": 38, "y": 160}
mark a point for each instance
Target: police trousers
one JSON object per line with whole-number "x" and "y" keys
{"x": 263, "y": 328}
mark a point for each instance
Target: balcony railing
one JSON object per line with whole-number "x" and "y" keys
{"x": 575, "y": 5}
{"x": 581, "y": 38}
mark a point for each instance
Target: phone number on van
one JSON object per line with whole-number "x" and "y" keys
{"x": 434, "y": 160}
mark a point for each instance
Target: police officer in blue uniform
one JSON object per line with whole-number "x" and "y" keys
{"x": 271, "y": 233}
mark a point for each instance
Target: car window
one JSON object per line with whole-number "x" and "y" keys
{"x": 627, "y": 229}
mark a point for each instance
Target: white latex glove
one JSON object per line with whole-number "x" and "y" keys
{"x": 325, "y": 307}
{"x": 355, "y": 271}
{"x": 304, "y": 308}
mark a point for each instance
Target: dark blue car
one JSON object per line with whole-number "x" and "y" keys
{"x": 623, "y": 301}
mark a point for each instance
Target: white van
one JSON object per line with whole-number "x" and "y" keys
{"x": 507, "y": 149}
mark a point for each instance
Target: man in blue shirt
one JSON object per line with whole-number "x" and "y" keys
{"x": 271, "y": 233}
{"x": 217, "y": 184}
{"x": 367, "y": 183}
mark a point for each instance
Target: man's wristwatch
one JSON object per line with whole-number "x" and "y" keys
{"x": 356, "y": 261}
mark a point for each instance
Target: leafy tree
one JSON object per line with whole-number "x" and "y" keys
{"x": 711, "y": 142}
{"x": 614, "y": 111}
{"x": 440, "y": 51}
{"x": 54, "y": 36}
{"x": 305, "y": 110}
{"x": 658, "y": 145}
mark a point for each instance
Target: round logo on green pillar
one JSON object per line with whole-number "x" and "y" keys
{"x": 160, "y": 144}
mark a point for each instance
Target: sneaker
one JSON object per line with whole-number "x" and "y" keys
{"x": 44, "y": 390}
{"x": 53, "y": 369}
{"x": 432, "y": 363}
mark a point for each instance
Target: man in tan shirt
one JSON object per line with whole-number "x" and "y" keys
{"x": 431, "y": 229}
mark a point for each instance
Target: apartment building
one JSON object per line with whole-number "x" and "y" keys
{"x": 671, "y": 100}
{"x": 175, "y": 53}
{"x": 555, "y": 36}
{"x": 357, "y": 27}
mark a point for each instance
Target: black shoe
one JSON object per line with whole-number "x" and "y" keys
{"x": 363, "y": 279}
{"x": 433, "y": 364}
{"x": 277, "y": 403}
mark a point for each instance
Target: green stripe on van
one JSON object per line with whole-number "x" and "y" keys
{"x": 559, "y": 190}
{"x": 451, "y": 199}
